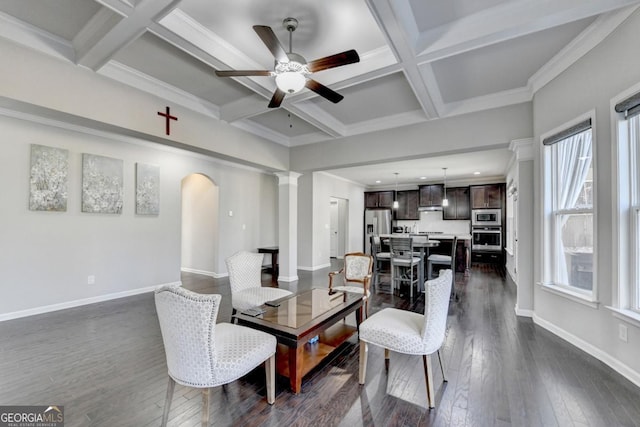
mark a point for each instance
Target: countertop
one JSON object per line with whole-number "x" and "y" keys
{"x": 443, "y": 236}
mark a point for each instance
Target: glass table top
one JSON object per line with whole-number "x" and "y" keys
{"x": 302, "y": 308}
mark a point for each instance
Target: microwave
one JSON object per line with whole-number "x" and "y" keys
{"x": 486, "y": 217}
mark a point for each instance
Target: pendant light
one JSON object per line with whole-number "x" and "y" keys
{"x": 396, "y": 205}
{"x": 445, "y": 201}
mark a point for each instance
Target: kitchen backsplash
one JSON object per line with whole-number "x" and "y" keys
{"x": 432, "y": 221}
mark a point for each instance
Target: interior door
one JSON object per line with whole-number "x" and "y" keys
{"x": 334, "y": 224}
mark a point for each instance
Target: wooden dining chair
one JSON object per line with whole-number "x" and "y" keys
{"x": 356, "y": 276}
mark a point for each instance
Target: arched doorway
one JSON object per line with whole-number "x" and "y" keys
{"x": 199, "y": 251}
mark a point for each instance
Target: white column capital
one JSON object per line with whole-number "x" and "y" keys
{"x": 523, "y": 148}
{"x": 288, "y": 178}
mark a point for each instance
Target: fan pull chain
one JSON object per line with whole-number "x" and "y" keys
{"x": 290, "y": 124}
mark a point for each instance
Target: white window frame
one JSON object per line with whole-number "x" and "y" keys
{"x": 549, "y": 245}
{"x": 626, "y": 218}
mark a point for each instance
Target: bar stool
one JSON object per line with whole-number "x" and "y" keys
{"x": 404, "y": 266}
{"x": 449, "y": 262}
{"x": 379, "y": 258}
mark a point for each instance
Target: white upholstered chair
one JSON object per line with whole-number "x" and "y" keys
{"x": 356, "y": 273}
{"x": 407, "y": 332}
{"x": 203, "y": 354}
{"x": 246, "y": 287}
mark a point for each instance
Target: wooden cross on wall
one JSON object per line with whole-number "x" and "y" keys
{"x": 168, "y": 118}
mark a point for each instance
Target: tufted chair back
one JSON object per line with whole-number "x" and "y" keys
{"x": 244, "y": 270}
{"x": 188, "y": 322}
{"x": 357, "y": 267}
{"x": 437, "y": 292}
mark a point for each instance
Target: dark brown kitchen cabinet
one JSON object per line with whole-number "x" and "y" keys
{"x": 378, "y": 199}
{"x": 407, "y": 205}
{"x": 458, "y": 204}
{"x": 486, "y": 196}
{"x": 431, "y": 195}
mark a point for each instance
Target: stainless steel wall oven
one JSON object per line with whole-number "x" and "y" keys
{"x": 486, "y": 239}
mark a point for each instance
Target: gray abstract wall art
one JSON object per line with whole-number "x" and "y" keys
{"x": 147, "y": 189}
{"x": 49, "y": 178}
{"x": 102, "y": 184}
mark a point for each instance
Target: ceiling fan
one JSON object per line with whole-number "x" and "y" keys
{"x": 291, "y": 70}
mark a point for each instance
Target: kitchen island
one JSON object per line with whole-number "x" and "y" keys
{"x": 463, "y": 247}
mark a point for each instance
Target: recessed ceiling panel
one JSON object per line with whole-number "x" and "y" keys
{"x": 284, "y": 122}
{"x": 161, "y": 60}
{"x": 63, "y": 18}
{"x": 460, "y": 167}
{"x": 433, "y": 13}
{"x": 386, "y": 96}
{"x": 325, "y": 27}
{"x": 502, "y": 66}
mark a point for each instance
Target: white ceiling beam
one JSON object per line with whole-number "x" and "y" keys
{"x": 398, "y": 34}
{"x": 506, "y": 21}
{"x": 35, "y": 38}
{"x": 97, "y": 45}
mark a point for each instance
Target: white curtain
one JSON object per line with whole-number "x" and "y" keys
{"x": 573, "y": 164}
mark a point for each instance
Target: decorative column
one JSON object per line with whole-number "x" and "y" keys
{"x": 288, "y": 225}
{"x": 524, "y": 250}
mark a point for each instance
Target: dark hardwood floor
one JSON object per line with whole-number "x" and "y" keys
{"x": 105, "y": 363}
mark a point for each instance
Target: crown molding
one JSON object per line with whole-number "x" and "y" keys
{"x": 578, "y": 47}
{"x": 262, "y": 131}
{"x": 134, "y": 78}
{"x": 387, "y": 122}
{"x": 523, "y": 148}
{"x": 486, "y": 102}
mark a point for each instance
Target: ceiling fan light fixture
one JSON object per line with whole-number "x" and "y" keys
{"x": 290, "y": 81}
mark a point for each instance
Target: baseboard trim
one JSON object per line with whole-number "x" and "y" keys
{"x": 592, "y": 350}
{"x": 317, "y": 267}
{"x": 204, "y": 272}
{"x": 523, "y": 313}
{"x": 77, "y": 303}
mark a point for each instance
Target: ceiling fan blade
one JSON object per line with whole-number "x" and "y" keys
{"x": 324, "y": 91}
{"x": 276, "y": 99}
{"x": 238, "y": 73}
{"x": 269, "y": 38}
{"x": 337, "y": 60}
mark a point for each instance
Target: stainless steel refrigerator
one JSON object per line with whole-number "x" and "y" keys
{"x": 376, "y": 222}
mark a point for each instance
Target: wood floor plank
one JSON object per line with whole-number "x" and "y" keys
{"x": 105, "y": 362}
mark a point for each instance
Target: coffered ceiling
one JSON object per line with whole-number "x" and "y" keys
{"x": 419, "y": 60}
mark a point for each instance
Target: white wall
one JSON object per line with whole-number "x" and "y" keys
{"x": 591, "y": 83}
{"x": 45, "y": 257}
{"x": 315, "y": 192}
{"x": 199, "y": 225}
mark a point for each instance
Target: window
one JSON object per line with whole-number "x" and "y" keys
{"x": 569, "y": 213}
{"x": 634, "y": 133}
{"x": 629, "y": 205}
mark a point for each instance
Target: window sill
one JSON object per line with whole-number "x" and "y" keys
{"x": 578, "y": 297}
{"x": 626, "y": 315}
